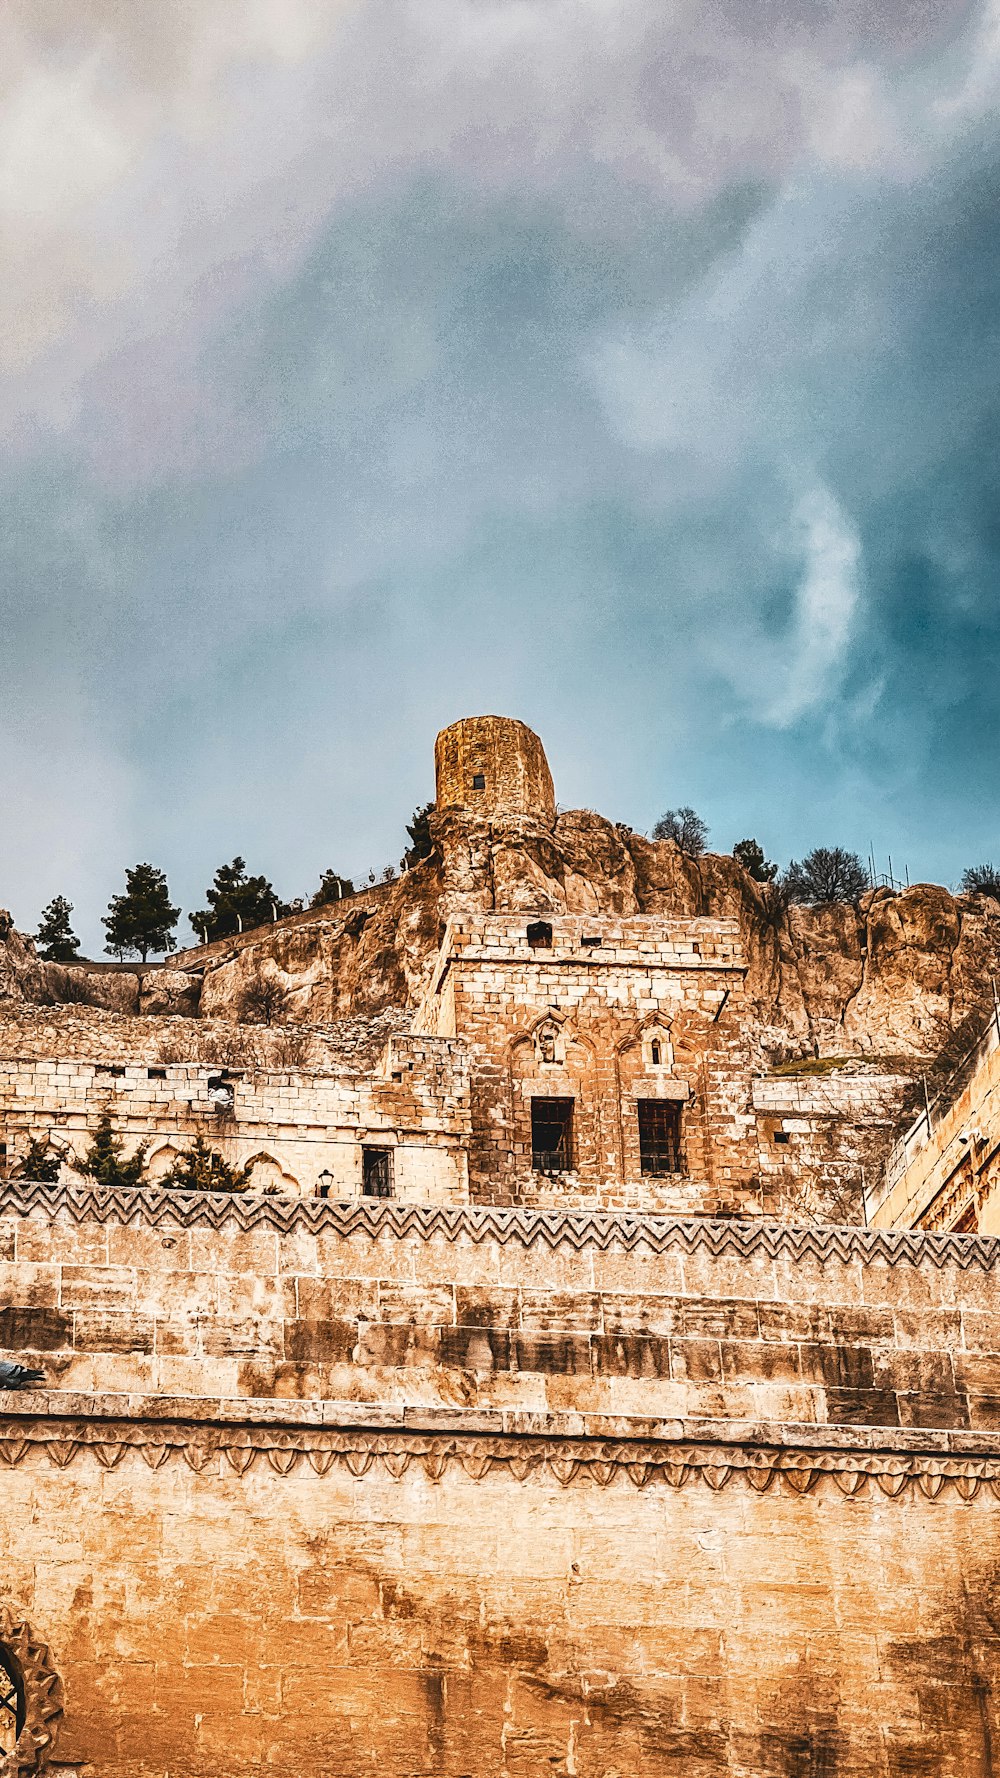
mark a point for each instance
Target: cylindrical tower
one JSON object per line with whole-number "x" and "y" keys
{"x": 493, "y": 767}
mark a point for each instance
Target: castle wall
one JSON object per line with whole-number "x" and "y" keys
{"x": 292, "y": 1125}
{"x": 577, "y": 1018}
{"x": 736, "y": 1512}
{"x": 822, "y": 1140}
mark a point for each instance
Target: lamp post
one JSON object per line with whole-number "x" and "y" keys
{"x": 323, "y": 1184}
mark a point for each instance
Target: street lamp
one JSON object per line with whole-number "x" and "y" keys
{"x": 324, "y": 1183}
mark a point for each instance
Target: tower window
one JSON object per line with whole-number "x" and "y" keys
{"x": 552, "y": 1135}
{"x": 659, "y": 1137}
{"x": 539, "y": 935}
{"x": 479, "y": 780}
{"x": 655, "y": 1052}
{"x": 376, "y": 1172}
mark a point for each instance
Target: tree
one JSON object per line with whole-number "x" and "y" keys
{"x": 264, "y": 1000}
{"x": 828, "y": 873}
{"x": 981, "y": 879}
{"x": 202, "y": 1169}
{"x": 419, "y": 830}
{"x": 332, "y": 887}
{"x": 39, "y": 1162}
{"x": 751, "y": 855}
{"x": 105, "y": 1160}
{"x": 687, "y": 830}
{"x": 236, "y": 903}
{"x": 143, "y": 919}
{"x": 55, "y": 938}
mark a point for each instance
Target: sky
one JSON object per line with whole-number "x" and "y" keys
{"x": 627, "y": 366}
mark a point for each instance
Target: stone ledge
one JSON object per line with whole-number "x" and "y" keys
{"x": 115, "y": 1410}
{"x": 552, "y": 1229}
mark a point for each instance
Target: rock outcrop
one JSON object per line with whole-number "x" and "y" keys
{"x": 888, "y": 979}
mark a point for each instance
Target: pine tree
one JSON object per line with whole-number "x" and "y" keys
{"x": 750, "y": 854}
{"x": 143, "y": 919}
{"x": 105, "y": 1162}
{"x": 202, "y": 1169}
{"x": 39, "y": 1162}
{"x": 419, "y": 829}
{"x": 332, "y": 887}
{"x": 236, "y": 903}
{"x": 55, "y": 938}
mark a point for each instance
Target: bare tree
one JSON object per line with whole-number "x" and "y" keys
{"x": 687, "y": 830}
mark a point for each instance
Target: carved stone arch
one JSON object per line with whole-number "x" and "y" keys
{"x": 573, "y": 1073}
{"x": 657, "y": 1028}
{"x": 170, "y": 1148}
{"x": 37, "y": 1698}
{"x": 268, "y": 1175}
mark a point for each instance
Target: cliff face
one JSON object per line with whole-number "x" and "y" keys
{"x": 891, "y": 978}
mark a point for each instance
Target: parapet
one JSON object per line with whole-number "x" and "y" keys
{"x": 493, "y": 766}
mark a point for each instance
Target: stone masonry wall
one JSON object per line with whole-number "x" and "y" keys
{"x": 510, "y": 1499}
{"x": 823, "y": 1139}
{"x": 292, "y": 1125}
{"x": 577, "y": 1018}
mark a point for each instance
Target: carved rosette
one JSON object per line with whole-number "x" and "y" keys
{"x": 43, "y": 1697}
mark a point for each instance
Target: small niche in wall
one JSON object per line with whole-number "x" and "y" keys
{"x": 591, "y": 942}
{"x": 479, "y": 780}
{"x": 114, "y": 1069}
{"x": 539, "y": 935}
{"x": 156, "y": 1074}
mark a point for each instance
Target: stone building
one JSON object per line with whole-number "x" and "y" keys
{"x": 528, "y": 1413}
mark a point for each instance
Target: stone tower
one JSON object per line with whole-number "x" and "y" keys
{"x": 494, "y": 767}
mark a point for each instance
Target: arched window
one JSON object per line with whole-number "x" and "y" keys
{"x": 12, "y": 1711}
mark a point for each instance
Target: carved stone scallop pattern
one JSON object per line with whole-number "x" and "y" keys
{"x": 43, "y": 1697}
{"x": 553, "y": 1229}
{"x": 221, "y": 1452}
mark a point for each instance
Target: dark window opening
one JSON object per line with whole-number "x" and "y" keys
{"x": 552, "y": 1135}
{"x": 12, "y": 1710}
{"x": 107, "y": 1068}
{"x": 479, "y": 781}
{"x": 655, "y": 1053}
{"x": 590, "y": 944}
{"x": 539, "y": 934}
{"x": 376, "y": 1172}
{"x": 660, "y": 1137}
{"x": 222, "y": 1093}
{"x": 156, "y": 1074}
{"x": 781, "y": 1135}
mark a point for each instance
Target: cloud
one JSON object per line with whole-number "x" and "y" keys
{"x": 370, "y": 363}
{"x": 825, "y": 608}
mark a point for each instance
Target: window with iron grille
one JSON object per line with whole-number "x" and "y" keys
{"x": 376, "y": 1172}
{"x": 660, "y": 1137}
{"x": 552, "y": 1135}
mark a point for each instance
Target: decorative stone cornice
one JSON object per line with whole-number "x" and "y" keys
{"x": 216, "y": 1439}
{"x": 554, "y": 1229}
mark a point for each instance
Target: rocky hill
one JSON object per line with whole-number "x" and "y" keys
{"x": 889, "y": 980}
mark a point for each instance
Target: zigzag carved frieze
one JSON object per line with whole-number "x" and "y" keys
{"x": 218, "y": 1453}
{"x": 554, "y": 1229}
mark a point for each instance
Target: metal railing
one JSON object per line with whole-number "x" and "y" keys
{"x": 918, "y": 1135}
